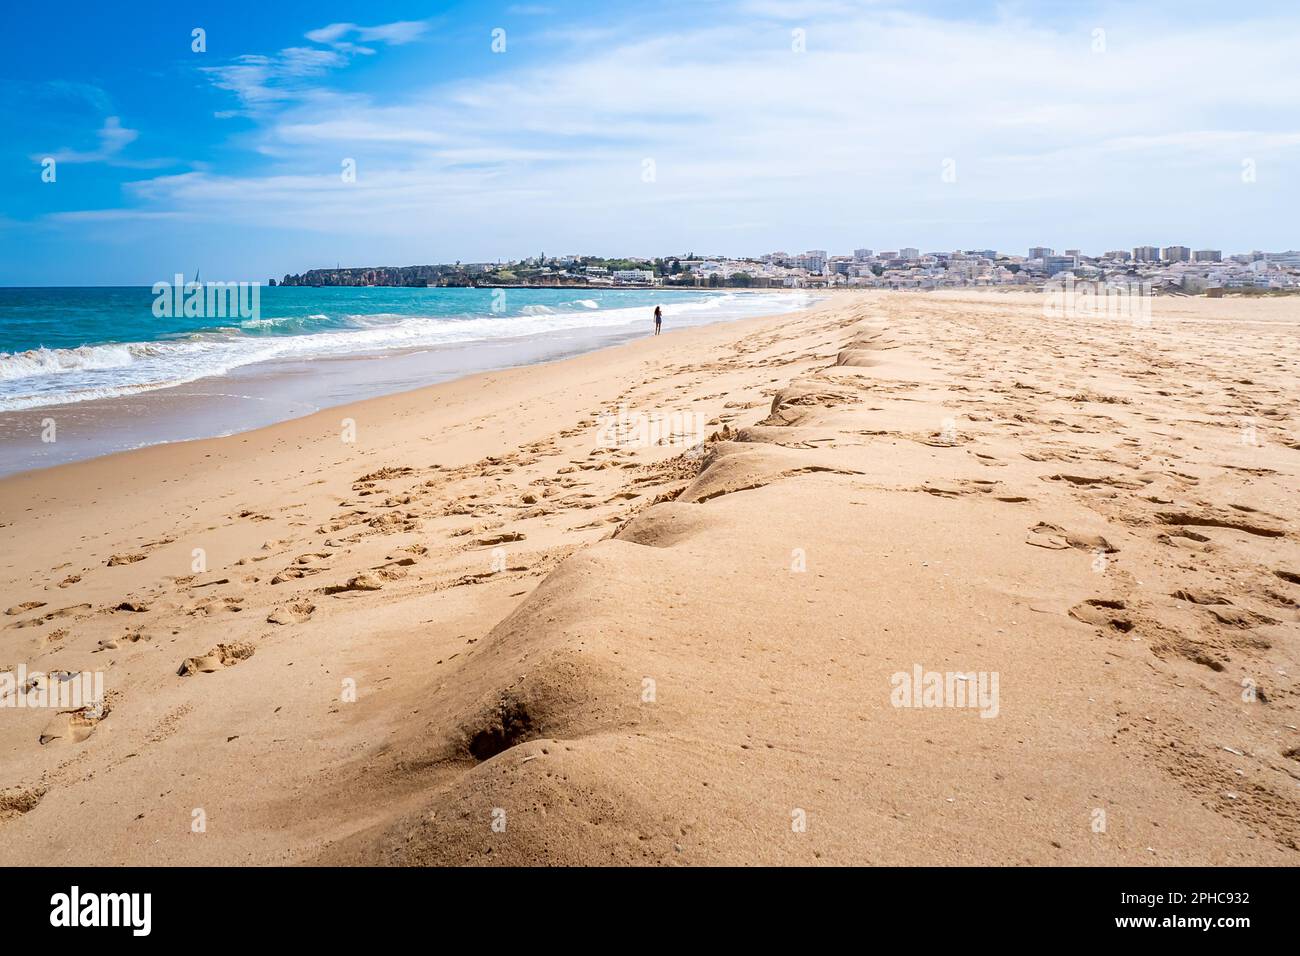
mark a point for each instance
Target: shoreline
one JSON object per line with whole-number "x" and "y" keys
{"x": 279, "y": 389}
{"x": 312, "y": 423}
{"x": 644, "y": 656}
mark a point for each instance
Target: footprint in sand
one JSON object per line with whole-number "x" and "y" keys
{"x": 294, "y": 574}
{"x": 213, "y": 605}
{"x": 1210, "y": 519}
{"x": 15, "y": 801}
{"x": 1055, "y": 538}
{"x": 24, "y": 607}
{"x": 1199, "y": 596}
{"x": 74, "y": 726}
{"x": 345, "y": 520}
{"x": 500, "y": 539}
{"x": 1184, "y": 538}
{"x": 383, "y": 474}
{"x": 1240, "y": 617}
{"x": 292, "y": 613}
{"x": 1277, "y": 599}
{"x": 366, "y": 581}
{"x": 1088, "y": 481}
{"x": 1103, "y": 612}
{"x": 75, "y": 609}
{"x": 393, "y": 522}
{"x": 113, "y": 643}
{"x": 223, "y": 655}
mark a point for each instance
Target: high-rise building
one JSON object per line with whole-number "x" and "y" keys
{"x": 1176, "y": 254}
{"x": 1038, "y": 252}
{"x": 909, "y": 253}
{"x": 1208, "y": 255}
{"x": 1054, "y": 264}
{"x": 1119, "y": 254}
{"x": 1146, "y": 254}
{"x": 861, "y": 254}
{"x": 814, "y": 260}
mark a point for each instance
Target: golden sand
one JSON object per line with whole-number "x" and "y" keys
{"x": 950, "y": 582}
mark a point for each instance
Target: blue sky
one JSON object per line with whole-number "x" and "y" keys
{"x": 732, "y": 127}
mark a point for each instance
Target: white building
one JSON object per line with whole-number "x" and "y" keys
{"x": 814, "y": 260}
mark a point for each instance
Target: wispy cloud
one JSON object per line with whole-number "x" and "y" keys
{"x": 261, "y": 81}
{"x": 396, "y": 34}
{"x": 113, "y": 138}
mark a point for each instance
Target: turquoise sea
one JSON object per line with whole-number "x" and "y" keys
{"x": 90, "y": 371}
{"x": 65, "y": 345}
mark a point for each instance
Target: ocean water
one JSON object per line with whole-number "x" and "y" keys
{"x": 89, "y": 372}
{"x": 67, "y": 345}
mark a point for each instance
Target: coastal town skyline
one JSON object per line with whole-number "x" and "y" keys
{"x": 1173, "y": 268}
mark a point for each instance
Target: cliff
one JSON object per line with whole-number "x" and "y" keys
{"x": 416, "y": 276}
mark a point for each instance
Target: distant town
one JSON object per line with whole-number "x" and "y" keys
{"x": 1163, "y": 270}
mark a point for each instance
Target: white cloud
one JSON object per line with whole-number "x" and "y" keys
{"x": 113, "y": 138}
{"x": 396, "y": 34}
{"x": 262, "y": 81}
{"x": 846, "y": 139}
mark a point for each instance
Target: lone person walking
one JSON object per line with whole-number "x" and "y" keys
{"x": 659, "y": 319}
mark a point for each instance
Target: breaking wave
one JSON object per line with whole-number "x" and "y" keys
{"x": 42, "y": 376}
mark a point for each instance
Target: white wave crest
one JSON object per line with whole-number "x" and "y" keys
{"x": 18, "y": 365}
{"x": 58, "y": 376}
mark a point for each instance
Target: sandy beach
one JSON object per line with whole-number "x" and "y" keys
{"x": 458, "y": 626}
